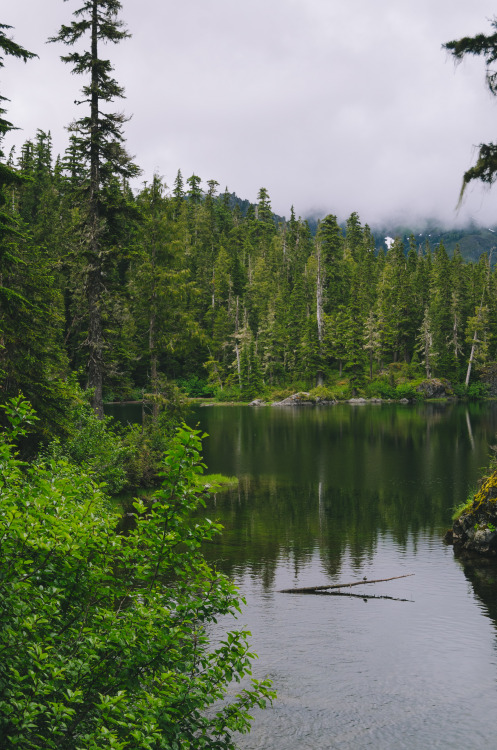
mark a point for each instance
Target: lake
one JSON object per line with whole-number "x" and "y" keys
{"x": 336, "y": 494}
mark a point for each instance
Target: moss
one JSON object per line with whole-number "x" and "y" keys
{"x": 487, "y": 492}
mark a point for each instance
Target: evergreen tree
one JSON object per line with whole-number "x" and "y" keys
{"x": 485, "y": 46}
{"x": 100, "y": 136}
{"x": 330, "y": 237}
{"x": 8, "y": 176}
{"x": 162, "y": 293}
{"x": 440, "y": 313}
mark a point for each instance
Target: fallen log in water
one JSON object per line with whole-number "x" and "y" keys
{"x": 312, "y": 589}
{"x": 364, "y": 597}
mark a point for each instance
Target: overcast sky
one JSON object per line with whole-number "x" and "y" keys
{"x": 334, "y": 106}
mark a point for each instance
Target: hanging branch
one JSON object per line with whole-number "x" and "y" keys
{"x": 310, "y": 589}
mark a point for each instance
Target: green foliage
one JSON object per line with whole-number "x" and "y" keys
{"x": 485, "y": 168}
{"x": 195, "y": 387}
{"x": 216, "y": 482}
{"x": 323, "y": 393}
{"x": 146, "y": 444}
{"x": 227, "y": 394}
{"x": 407, "y": 390}
{"x": 380, "y": 388}
{"x": 342, "y": 390}
{"x": 97, "y": 447}
{"x": 473, "y": 392}
{"x": 105, "y": 636}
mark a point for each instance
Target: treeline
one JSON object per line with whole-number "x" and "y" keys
{"x": 194, "y": 291}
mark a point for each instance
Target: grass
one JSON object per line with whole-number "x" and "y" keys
{"x": 217, "y": 482}
{"x": 463, "y": 507}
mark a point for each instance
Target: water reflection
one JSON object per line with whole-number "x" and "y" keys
{"x": 482, "y": 575}
{"x": 332, "y": 495}
{"x": 337, "y": 479}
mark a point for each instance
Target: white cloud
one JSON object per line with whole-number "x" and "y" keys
{"x": 329, "y": 105}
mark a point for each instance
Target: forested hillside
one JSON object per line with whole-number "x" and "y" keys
{"x": 472, "y": 240}
{"x": 193, "y": 289}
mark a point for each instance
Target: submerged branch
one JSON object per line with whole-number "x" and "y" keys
{"x": 310, "y": 589}
{"x": 357, "y": 596}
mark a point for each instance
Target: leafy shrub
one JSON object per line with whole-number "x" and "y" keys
{"x": 228, "y": 393}
{"x": 146, "y": 445}
{"x": 323, "y": 393}
{"x": 380, "y": 388}
{"x": 476, "y": 391}
{"x": 105, "y": 635}
{"x": 97, "y": 446}
{"x": 407, "y": 390}
{"x": 342, "y": 391}
{"x": 195, "y": 387}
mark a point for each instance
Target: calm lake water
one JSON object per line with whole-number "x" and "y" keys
{"x": 333, "y": 494}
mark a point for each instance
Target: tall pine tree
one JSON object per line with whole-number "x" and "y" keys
{"x": 100, "y": 136}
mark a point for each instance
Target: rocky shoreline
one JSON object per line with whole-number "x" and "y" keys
{"x": 431, "y": 388}
{"x": 474, "y": 532}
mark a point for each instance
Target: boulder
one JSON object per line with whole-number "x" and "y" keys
{"x": 435, "y": 388}
{"x": 475, "y": 531}
{"x": 297, "y": 399}
{"x": 257, "y": 402}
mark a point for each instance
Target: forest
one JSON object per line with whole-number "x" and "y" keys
{"x": 222, "y": 302}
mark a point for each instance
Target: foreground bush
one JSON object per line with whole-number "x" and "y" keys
{"x": 104, "y": 635}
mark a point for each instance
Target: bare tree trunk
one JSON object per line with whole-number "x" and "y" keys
{"x": 471, "y": 357}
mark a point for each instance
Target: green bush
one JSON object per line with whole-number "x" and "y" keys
{"x": 146, "y": 445}
{"x": 105, "y": 636}
{"x": 97, "y": 446}
{"x": 474, "y": 392}
{"x": 323, "y": 393}
{"x": 227, "y": 394}
{"x": 407, "y": 390}
{"x": 342, "y": 391}
{"x": 380, "y": 388}
{"x": 195, "y": 387}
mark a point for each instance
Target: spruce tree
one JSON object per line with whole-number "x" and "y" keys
{"x": 99, "y": 135}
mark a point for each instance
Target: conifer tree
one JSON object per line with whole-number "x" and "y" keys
{"x": 100, "y": 136}
{"x": 161, "y": 289}
{"x": 8, "y": 176}
{"x": 440, "y": 312}
{"x": 485, "y": 46}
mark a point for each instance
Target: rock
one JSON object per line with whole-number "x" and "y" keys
{"x": 475, "y": 531}
{"x": 297, "y": 399}
{"x": 435, "y": 388}
{"x": 356, "y": 401}
{"x": 257, "y": 402}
